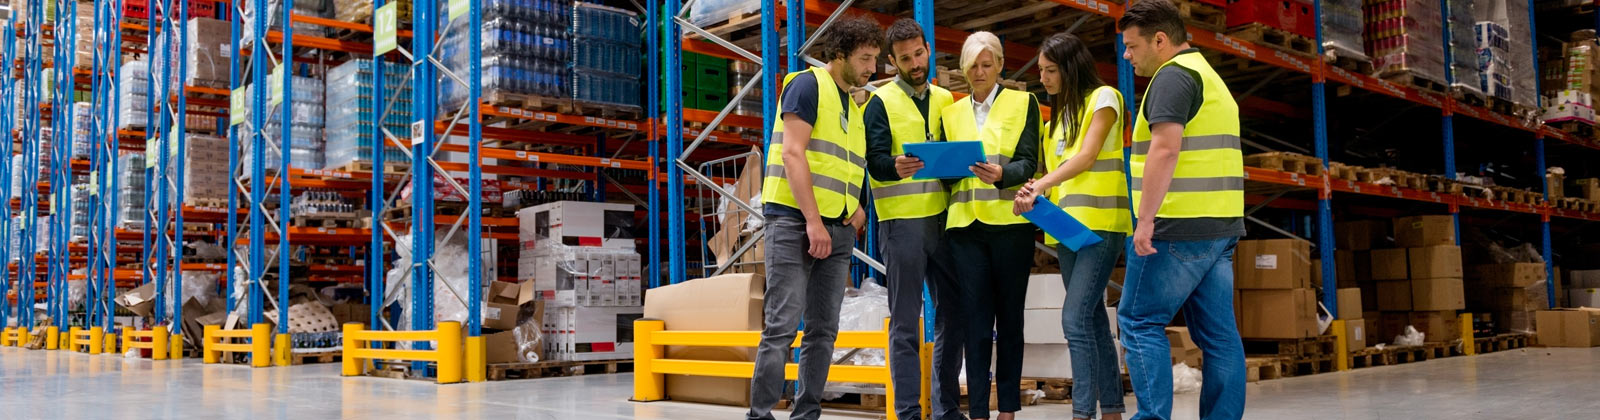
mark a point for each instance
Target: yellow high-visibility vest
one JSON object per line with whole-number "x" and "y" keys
{"x": 910, "y": 198}
{"x": 972, "y": 199}
{"x": 1209, "y": 178}
{"x": 836, "y": 154}
{"x": 1097, "y": 197}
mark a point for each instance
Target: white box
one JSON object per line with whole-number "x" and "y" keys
{"x": 1583, "y": 279}
{"x": 1047, "y": 360}
{"x": 1570, "y": 105}
{"x": 1583, "y": 298}
{"x": 580, "y": 281}
{"x": 576, "y": 223}
{"x": 1042, "y": 326}
{"x": 600, "y": 333}
{"x": 1045, "y": 291}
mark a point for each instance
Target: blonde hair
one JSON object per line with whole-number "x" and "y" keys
{"x": 976, "y": 44}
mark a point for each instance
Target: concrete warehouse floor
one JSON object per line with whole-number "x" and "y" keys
{"x": 1533, "y": 383}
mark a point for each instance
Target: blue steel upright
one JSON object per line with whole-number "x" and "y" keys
{"x": 28, "y": 241}
{"x": 8, "y": 99}
{"x": 1538, "y": 144}
{"x": 234, "y": 142}
{"x": 674, "y": 98}
{"x": 178, "y": 162}
{"x": 375, "y": 197}
{"x": 1319, "y": 130}
{"x": 475, "y": 278}
{"x": 1447, "y": 122}
{"x": 424, "y": 108}
{"x": 285, "y": 145}
{"x": 653, "y": 101}
{"x": 258, "y": 118}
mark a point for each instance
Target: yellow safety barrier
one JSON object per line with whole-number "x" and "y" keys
{"x": 650, "y": 364}
{"x": 53, "y": 339}
{"x": 217, "y": 340}
{"x": 448, "y": 352}
{"x": 153, "y": 339}
{"x": 1469, "y": 343}
{"x": 15, "y": 337}
{"x": 1341, "y": 346}
{"x": 90, "y": 341}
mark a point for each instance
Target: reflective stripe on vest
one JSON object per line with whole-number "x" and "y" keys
{"x": 973, "y": 200}
{"x": 836, "y": 154}
{"x": 910, "y": 198}
{"x": 1098, "y": 196}
{"x": 1208, "y": 180}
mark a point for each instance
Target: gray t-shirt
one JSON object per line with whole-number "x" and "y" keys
{"x": 1175, "y": 95}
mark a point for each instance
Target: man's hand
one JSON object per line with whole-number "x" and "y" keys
{"x": 906, "y": 166}
{"x": 1141, "y": 237}
{"x": 989, "y": 173}
{"x": 859, "y": 219}
{"x": 1024, "y": 200}
{"x": 821, "y": 244}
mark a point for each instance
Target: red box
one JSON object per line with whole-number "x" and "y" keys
{"x": 203, "y": 9}
{"x": 138, "y": 9}
{"x": 1295, "y": 16}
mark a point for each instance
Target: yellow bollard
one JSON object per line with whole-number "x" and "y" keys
{"x": 281, "y": 350}
{"x": 449, "y": 338}
{"x": 52, "y": 338}
{"x": 175, "y": 341}
{"x": 96, "y": 339}
{"x": 24, "y": 336}
{"x": 259, "y": 334}
{"x": 1341, "y": 346}
{"x": 647, "y": 385}
{"x": 111, "y": 344}
{"x": 208, "y": 353}
{"x": 349, "y": 364}
{"x": 888, "y": 386}
{"x": 1469, "y": 343}
{"x": 477, "y": 355}
{"x": 158, "y": 343}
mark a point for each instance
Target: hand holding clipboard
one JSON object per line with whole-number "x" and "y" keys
{"x": 946, "y": 160}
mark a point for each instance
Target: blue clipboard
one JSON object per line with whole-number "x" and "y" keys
{"x": 1060, "y": 225}
{"x": 945, "y": 160}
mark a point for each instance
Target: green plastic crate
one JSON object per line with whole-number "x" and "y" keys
{"x": 711, "y": 99}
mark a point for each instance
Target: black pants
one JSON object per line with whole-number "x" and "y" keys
{"x": 990, "y": 265}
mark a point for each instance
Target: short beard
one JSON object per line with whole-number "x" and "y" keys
{"x": 914, "y": 82}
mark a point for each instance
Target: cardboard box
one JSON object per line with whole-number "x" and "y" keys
{"x": 500, "y": 316}
{"x": 1370, "y": 319}
{"x": 1289, "y": 313}
{"x": 1394, "y": 295}
{"x": 731, "y": 302}
{"x": 1437, "y": 326}
{"x": 1349, "y": 303}
{"x": 577, "y": 223}
{"x": 1390, "y": 264}
{"x": 730, "y": 236}
{"x": 1042, "y": 326}
{"x": 349, "y": 312}
{"x": 1369, "y": 300}
{"x": 1045, "y": 360}
{"x": 1045, "y": 291}
{"x": 1503, "y": 299}
{"x": 1514, "y": 321}
{"x": 1360, "y": 235}
{"x": 1555, "y": 184}
{"x": 1391, "y": 325}
{"x": 1273, "y": 264}
{"x": 1587, "y": 188}
{"x": 1569, "y": 327}
{"x": 501, "y": 347}
{"x": 1355, "y": 333}
{"x": 1316, "y": 272}
{"x": 1352, "y": 266}
{"x": 141, "y": 300}
{"x": 501, "y": 292}
{"x": 1583, "y": 279}
{"x": 1439, "y": 294}
{"x": 1506, "y": 275}
{"x": 1422, "y": 231}
{"x": 1435, "y": 262}
{"x": 1583, "y": 297}
{"x": 1184, "y": 350}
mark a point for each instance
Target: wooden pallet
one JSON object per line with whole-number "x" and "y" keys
{"x": 1262, "y": 368}
{"x": 1444, "y": 185}
{"x": 298, "y": 358}
{"x": 354, "y": 220}
{"x": 725, "y": 28}
{"x": 1342, "y": 171}
{"x": 1275, "y": 38}
{"x": 217, "y": 203}
{"x": 1398, "y": 178}
{"x": 551, "y": 369}
{"x": 1203, "y": 16}
{"x": 365, "y": 167}
{"x": 1469, "y": 96}
{"x": 1350, "y": 62}
{"x": 1394, "y": 355}
{"x": 1574, "y": 203}
{"x": 528, "y": 102}
{"x": 608, "y": 111}
{"x": 1581, "y": 129}
{"x": 1290, "y": 347}
{"x": 1501, "y": 342}
{"x": 1507, "y": 107}
{"x": 1059, "y": 390}
{"x": 1287, "y": 162}
{"x": 1308, "y": 365}
{"x": 858, "y": 401}
{"x": 1408, "y": 78}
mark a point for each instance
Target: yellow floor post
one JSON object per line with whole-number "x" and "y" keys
{"x": 158, "y": 343}
{"x": 280, "y": 351}
{"x": 350, "y": 364}
{"x": 647, "y": 385}
{"x": 888, "y": 386}
{"x": 175, "y": 342}
{"x": 476, "y": 357}
{"x": 1469, "y": 343}
{"x": 111, "y": 344}
{"x": 209, "y": 337}
{"x": 97, "y": 338}
{"x": 925, "y": 365}
{"x": 450, "y": 352}
{"x": 1341, "y": 346}
{"x": 52, "y": 338}
{"x": 24, "y": 336}
{"x": 260, "y": 345}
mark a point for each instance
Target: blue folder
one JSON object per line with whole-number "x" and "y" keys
{"x": 945, "y": 160}
{"x": 1060, "y": 225}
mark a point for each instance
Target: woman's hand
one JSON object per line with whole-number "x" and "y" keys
{"x": 989, "y": 173}
{"x": 1023, "y": 203}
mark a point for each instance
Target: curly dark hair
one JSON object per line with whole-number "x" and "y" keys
{"x": 1153, "y": 16}
{"x": 846, "y": 35}
{"x": 904, "y": 29}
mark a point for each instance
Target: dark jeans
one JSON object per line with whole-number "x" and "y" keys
{"x": 907, "y": 245}
{"x": 949, "y": 335}
{"x": 991, "y": 264}
{"x": 799, "y": 287}
{"x": 1095, "y": 377}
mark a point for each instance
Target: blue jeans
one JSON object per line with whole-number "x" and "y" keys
{"x": 1096, "y": 380}
{"x": 1196, "y": 276}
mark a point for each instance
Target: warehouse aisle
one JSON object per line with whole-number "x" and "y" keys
{"x": 1533, "y": 384}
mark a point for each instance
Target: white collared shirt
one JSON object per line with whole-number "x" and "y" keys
{"x": 980, "y": 109}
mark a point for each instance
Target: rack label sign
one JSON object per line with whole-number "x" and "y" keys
{"x": 416, "y": 133}
{"x": 457, "y": 8}
{"x": 384, "y": 25}
{"x": 276, "y": 79}
{"x": 236, "y": 107}
{"x": 152, "y": 149}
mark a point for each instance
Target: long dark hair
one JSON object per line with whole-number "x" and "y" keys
{"x": 1078, "y": 80}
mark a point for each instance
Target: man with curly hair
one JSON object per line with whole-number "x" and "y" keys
{"x": 812, "y": 199}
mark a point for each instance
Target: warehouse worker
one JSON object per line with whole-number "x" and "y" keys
{"x": 989, "y": 248}
{"x": 1083, "y": 154}
{"x": 911, "y": 218}
{"x": 1188, "y": 189}
{"x": 812, "y": 206}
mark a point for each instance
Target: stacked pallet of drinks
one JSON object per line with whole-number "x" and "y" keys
{"x": 1404, "y": 39}
{"x": 1342, "y": 28}
{"x": 82, "y": 123}
{"x": 80, "y": 212}
{"x": 1464, "y": 70}
{"x": 1514, "y": 51}
{"x": 205, "y": 171}
{"x": 353, "y": 108}
{"x": 306, "y": 118}
{"x": 130, "y": 191}
{"x": 525, "y": 49}
{"x": 605, "y": 56}
{"x": 312, "y": 8}
{"x": 132, "y": 94}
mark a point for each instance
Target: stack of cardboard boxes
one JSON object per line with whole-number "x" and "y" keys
{"x": 581, "y": 262}
{"x": 1275, "y": 297}
{"x": 1569, "y": 327}
{"x": 1584, "y": 289}
{"x": 1044, "y": 348}
{"x": 1510, "y": 292}
{"x": 1419, "y": 283}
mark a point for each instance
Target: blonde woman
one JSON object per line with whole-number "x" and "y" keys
{"x": 990, "y": 248}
